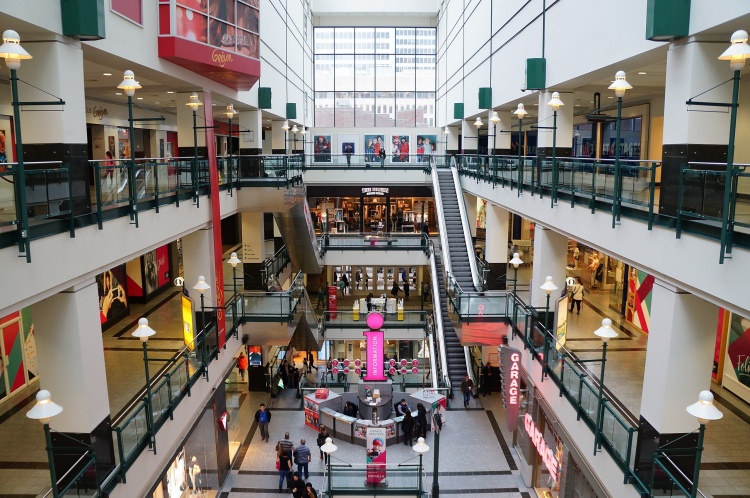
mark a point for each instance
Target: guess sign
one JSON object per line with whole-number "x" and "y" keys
{"x": 537, "y": 438}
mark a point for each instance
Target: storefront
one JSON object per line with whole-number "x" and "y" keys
{"x": 372, "y": 209}
{"x": 202, "y": 463}
{"x": 380, "y": 279}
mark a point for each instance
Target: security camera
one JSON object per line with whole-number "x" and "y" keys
{"x": 523, "y": 87}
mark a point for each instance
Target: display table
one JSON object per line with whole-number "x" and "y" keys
{"x": 388, "y": 305}
{"x": 383, "y": 405}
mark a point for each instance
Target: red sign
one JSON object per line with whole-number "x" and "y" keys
{"x": 510, "y": 360}
{"x": 332, "y": 301}
{"x": 213, "y": 172}
{"x": 537, "y": 438}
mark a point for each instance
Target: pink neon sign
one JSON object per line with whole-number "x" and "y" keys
{"x": 548, "y": 456}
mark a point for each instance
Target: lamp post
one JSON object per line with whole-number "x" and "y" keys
{"x": 495, "y": 119}
{"x": 555, "y": 103}
{"x": 295, "y": 130}
{"x": 328, "y": 448}
{"x": 202, "y": 287}
{"x": 194, "y": 103}
{"x": 446, "y": 132}
{"x": 548, "y": 287}
{"x": 13, "y": 54}
{"x": 43, "y": 411}
{"x": 234, "y": 261}
{"x": 520, "y": 112}
{"x": 705, "y": 411}
{"x": 516, "y": 262}
{"x": 143, "y": 332}
{"x": 420, "y": 448}
{"x": 736, "y": 54}
{"x": 436, "y": 461}
{"x": 605, "y": 332}
{"x": 303, "y": 132}
{"x": 619, "y": 86}
{"x": 129, "y": 86}
{"x": 285, "y": 127}
{"x": 230, "y": 113}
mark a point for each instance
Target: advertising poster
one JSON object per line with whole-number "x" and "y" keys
{"x": 332, "y": 301}
{"x": 312, "y": 414}
{"x": 113, "y": 300}
{"x": 348, "y": 144}
{"x": 561, "y": 322}
{"x": 322, "y": 149}
{"x": 376, "y": 453}
{"x": 13, "y": 367}
{"x": 722, "y": 326}
{"x": 373, "y": 144}
{"x": 638, "y": 305}
{"x": 426, "y": 147}
{"x": 230, "y": 25}
{"x": 738, "y": 350}
{"x": 400, "y": 148}
{"x": 177, "y": 476}
{"x": 188, "y": 322}
{"x": 156, "y": 269}
{"x": 255, "y": 356}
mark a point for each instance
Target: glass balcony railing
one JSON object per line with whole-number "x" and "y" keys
{"x": 403, "y": 479}
{"x": 392, "y": 241}
{"x": 356, "y": 319}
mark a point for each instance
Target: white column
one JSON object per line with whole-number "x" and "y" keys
{"x": 278, "y": 137}
{"x": 564, "y": 121}
{"x": 70, "y": 355}
{"x": 550, "y": 250}
{"x": 496, "y": 246}
{"x": 469, "y": 136}
{"x": 504, "y": 126}
{"x": 252, "y": 237}
{"x": 251, "y": 127}
{"x": 679, "y": 357}
{"x": 198, "y": 260}
{"x": 470, "y": 203}
{"x": 185, "y": 121}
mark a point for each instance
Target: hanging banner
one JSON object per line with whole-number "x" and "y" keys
{"x": 561, "y": 321}
{"x": 375, "y": 455}
{"x": 510, "y": 361}
{"x": 332, "y": 301}
{"x": 188, "y": 325}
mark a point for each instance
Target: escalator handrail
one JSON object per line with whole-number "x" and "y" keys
{"x": 437, "y": 312}
{"x": 442, "y": 228}
{"x": 431, "y": 341}
{"x": 465, "y": 224}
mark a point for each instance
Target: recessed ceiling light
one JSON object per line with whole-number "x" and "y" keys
{"x": 610, "y": 97}
{"x": 107, "y": 74}
{"x": 213, "y": 105}
{"x": 591, "y": 101}
{"x": 118, "y": 93}
{"x": 642, "y": 72}
{"x": 157, "y": 102}
{"x": 577, "y": 105}
{"x": 141, "y": 98}
{"x": 170, "y": 91}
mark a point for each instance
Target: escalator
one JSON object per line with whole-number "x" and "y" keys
{"x": 455, "y": 355}
{"x": 460, "y": 264}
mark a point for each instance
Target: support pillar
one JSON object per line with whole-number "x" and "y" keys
{"x": 564, "y": 126}
{"x": 70, "y": 355}
{"x": 253, "y": 241}
{"x": 470, "y": 203}
{"x": 278, "y": 138}
{"x": 185, "y": 143}
{"x": 469, "y": 137}
{"x": 496, "y": 246}
{"x": 56, "y": 133}
{"x": 693, "y": 68}
{"x": 550, "y": 253}
{"x": 679, "y": 359}
{"x": 450, "y": 141}
{"x": 198, "y": 258}
{"x": 251, "y": 133}
{"x": 502, "y": 130}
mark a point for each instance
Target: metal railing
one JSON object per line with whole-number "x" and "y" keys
{"x": 346, "y": 479}
{"x": 361, "y": 161}
{"x": 356, "y": 319}
{"x": 388, "y": 241}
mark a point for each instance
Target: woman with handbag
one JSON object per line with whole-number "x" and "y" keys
{"x": 284, "y": 465}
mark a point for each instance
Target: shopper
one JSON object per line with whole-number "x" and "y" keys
{"x": 395, "y": 290}
{"x": 345, "y": 279}
{"x": 487, "y": 379}
{"x": 576, "y": 295}
{"x": 298, "y": 486}
{"x": 348, "y": 153}
{"x": 242, "y": 365}
{"x": 285, "y": 444}
{"x": 322, "y": 435}
{"x": 421, "y": 420}
{"x": 284, "y": 461}
{"x": 407, "y": 426}
{"x": 311, "y": 493}
{"x": 368, "y": 300}
{"x": 109, "y": 170}
{"x": 467, "y": 389}
{"x": 302, "y": 457}
{"x": 382, "y": 157}
{"x": 263, "y": 417}
{"x": 439, "y": 416}
{"x": 406, "y": 290}
{"x": 322, "y": 296}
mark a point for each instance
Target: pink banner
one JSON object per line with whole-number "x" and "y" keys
{"x": 375, "y": 353}
{"x": 332, "y": 301}
{"x": 376, "y": 437}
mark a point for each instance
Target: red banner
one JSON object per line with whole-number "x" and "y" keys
{"x": 213, "y": 173}
{"x": 332, "y": 301}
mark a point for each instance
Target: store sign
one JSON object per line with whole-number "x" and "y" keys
{"x": 510, "y": 363}
{"x": 375, "y": 354}
{"x": 547, "y": 454}
{"x": 97, "y": 112}
{"x": 375, "y": 190}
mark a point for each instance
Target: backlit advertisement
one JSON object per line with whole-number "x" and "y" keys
{"x": 188, "y": 324}
{"x": 376, "y": 453}
{"x": 231, "y": 25}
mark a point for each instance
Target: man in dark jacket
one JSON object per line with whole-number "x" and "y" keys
{"x": 263, "y": 417}
{"x": 467, "y": 389}
{"x": 487, "y": 379}
{"x": 298, "y": 486}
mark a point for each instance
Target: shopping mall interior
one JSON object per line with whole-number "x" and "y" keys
{"x": 426, "y": 247}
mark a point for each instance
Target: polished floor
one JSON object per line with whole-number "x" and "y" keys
{"x": 726, "y": 460}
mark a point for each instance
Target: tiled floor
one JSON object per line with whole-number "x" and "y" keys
{"x": 726, "y": 460}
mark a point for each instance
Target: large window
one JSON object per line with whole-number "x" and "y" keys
{"x": 375, "y": 77}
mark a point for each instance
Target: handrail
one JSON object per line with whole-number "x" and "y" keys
{"x": 442, "y": 230}
{"x": 438, "y": 315}
{"x": 429, "y": 331}
{"x": 465, "y": 222}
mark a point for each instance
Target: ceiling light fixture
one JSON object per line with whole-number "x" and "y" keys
{"x": 642, "y": 72}
{"x": 107, "y": 74}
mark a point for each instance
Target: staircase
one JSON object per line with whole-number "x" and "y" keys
{"x": 454, "y": 351}
{"x": 459, "y": 253}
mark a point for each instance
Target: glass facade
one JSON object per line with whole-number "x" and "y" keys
{"x": 375, "y": 77}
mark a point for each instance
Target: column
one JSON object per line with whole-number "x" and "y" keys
{"x": 278, "y": 138}
{"x": 564, "y": 125}
{"x": 550, "y": 251}
{"x": 496, "y": 246}
{"x": 679, "y": 359}
{"x": 185, "y": 134}
{"x": 693, "y": 68}
{"x": 450, "y": 141}
{"x": 198, "y": 258}
{"x": 503, "y": 132}
{"x": 251, "y": 133}
{"x": 470, "y": 203}
{"x": 469, "y": 137}
{"x": 253, "y": 240}
{"x": 70, "y": 355}
{"x": 56, "y": 133}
